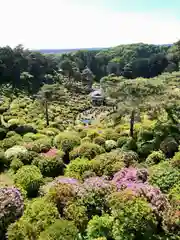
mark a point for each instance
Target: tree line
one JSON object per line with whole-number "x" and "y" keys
{"x": 29, "y": 70}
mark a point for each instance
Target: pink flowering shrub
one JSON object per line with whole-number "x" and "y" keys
{"x": 93, "y": 194}
{"x": 127, "y": 176}
{"x": 51, "y": 153}
{"x": 11, "y": 206}
{"x": 62, "y": 191}
{"x": 74, "y": 183}
{"x": 136, "y": 180}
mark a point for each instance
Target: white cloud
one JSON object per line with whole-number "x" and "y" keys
{"x": 64, "y": 24}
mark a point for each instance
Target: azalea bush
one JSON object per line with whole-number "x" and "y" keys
{"x": 133, "y": 217}
{"x": 76, "y": 212}
{"x": 174, "y": 195}
{"x": 110, "y": 134}
{"x": 122, "y": 141}
{"x": 171, "y": 222}
{"x": 130, "y": 145}
{"x": 40, "y": 145}
{"x": 92, "y": 194}
{"x": 155, "y": 158}
{"x": 127, "y": 176}
{"x": 11, "y": 141}
{"x": 66, "y": 141}
{"x": 99, "y": 140}
{"x": 164, "y": 176}
{"x": 135, "y": 180}
{"x": 62, "y": 191}
{"x": 100, "y": 227}
{"x": 108, "y": 163}
{"x": 78, "y": 167}
{"x": 16, "y": 164}
{"x": 175, "y": 162}
{"x": 15, "y": 152}
{"x": 110, "y": 144}
{"x": 130, "y": 158}
{"x": 169, "y": 146}
{"x": 38, "y": 215}
{"x": 61, "y": 230}
{"x": 29, "y": 178}
{"x": 11, "y": 207}
{"x": 86, "y": 150}
{"x": 50, "y": 164}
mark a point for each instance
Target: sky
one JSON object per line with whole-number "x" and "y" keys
{"x": 63, "y": 24}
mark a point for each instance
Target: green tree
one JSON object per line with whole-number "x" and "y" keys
{"x": 133, "y": 95}
{"x": 49, "y": 93}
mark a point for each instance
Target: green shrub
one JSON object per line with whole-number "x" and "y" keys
{"x": 77, "y": 167}
{"x": 2, "y": 133}
{"x": 29, "y": 136}
{"x": 121, "y": 141}
{"x": 78, "y": 214}
{"x": 66, "y": 141}
{"x": 174, "y": 195}
{"x": 61, "y": 194}
{"x": 15, "y": 152}
{"x": 92, "y": 133}
{"x": 61, "y": 230}
{"x": 164, "y": 176}
{"x": 16, "y": 164}
{"x": 175, "y": 162}
{"x": 88, "y": 174}
{"x": 39, "y": 214}
{"x": 99, "y": 140}
{"x": 145, "y": 148}
{"x": 171, "y": 223}
{"x": 110, "y": 144}
{"x": 129, "y": 158}
{"x": 86, "y": 150}
{"x": 30, "y": 178}
{"x": 169, "y": 146}
{"x": 145, "y": 135}
{"x": 50, "y": 166}
{"x": 100, "y": 238}
{"x": 38, "y": 136}
{"x": 133, "y": 217}
{"x": 155, "y": 157}
{"x": 93, "y": 194}
{"x": 42, "y": 145}
{"x": 85, "y": 140}
{"x": 110, "y": 134}
{"x": 3, "y": 161}
{"x": 108, "y": 163}
{"x": 11, "y": 141}
{"x": 100, "y": 227}
{"x": 11, "y": 134}
{"x": 130, "y": 145}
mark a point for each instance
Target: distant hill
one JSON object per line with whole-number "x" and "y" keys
{"x": 61, "y": 51}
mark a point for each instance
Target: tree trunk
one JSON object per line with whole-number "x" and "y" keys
{"x": 132, "y": 123}
{"x": 46, "y": 113}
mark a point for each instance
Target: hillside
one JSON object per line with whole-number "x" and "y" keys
{"x": 78, "y": 166}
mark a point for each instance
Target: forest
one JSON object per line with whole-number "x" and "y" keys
{"x": 80, "y": 166}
